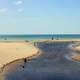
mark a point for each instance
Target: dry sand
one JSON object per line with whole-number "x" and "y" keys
{"x": 10, "y": 51}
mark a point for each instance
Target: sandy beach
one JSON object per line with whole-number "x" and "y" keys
{"x": 10, "y": 51}
{"x": 13, "y": 52}
{"x": 51, "y": 64}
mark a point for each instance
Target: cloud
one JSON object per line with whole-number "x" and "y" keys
{"x": 18, "y": 2}
{"x": 3, "y": 10}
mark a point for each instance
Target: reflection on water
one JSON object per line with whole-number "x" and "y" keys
{"x": 50, "y": 65}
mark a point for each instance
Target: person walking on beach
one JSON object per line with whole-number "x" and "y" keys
{"x": 25, "y": 61}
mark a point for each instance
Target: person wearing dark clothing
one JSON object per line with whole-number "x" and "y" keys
{"x": 25, "y": 61}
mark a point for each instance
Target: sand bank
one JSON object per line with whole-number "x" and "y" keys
{"x": 77, "y": 56}
{"x": 10, "y": 51}
{"x": 77, "y": 48}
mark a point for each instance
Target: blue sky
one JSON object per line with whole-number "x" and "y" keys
{"x": 39, "y": 16}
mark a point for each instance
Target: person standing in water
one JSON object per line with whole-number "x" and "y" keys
{"x": 52, "y": 37}
{"x": 25, "y": 61}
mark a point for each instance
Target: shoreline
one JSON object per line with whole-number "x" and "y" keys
{"x": 12, "y": 51}
{"x": 4, "y": 67}
{"x": 32, "y": 44}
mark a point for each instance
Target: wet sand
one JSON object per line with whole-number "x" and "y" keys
{"x": 53, "y": 63}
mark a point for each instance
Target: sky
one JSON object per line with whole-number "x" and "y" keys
{"x": 39, "y": 16}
